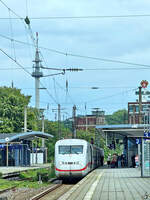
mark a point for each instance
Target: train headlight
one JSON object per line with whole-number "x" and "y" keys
{"x": 61, "y": 163}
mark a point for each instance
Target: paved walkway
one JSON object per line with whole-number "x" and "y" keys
{"x": 6, "y": 170}
{"x": 111, "y": 184}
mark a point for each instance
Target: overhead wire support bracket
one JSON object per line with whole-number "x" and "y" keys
{"x": 69, "y": 69}
{"x": 54, "y": 74}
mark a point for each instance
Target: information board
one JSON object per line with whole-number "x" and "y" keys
{"x": 145, "y": 157}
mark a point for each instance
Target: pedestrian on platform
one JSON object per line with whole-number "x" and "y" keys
{"x": 108, "y": 160}
{"x": 122, "y": 160}
{"x": 133, "y": 161}
{"x": 114, "y": 160}
{"x": 119, "y": 161}
{"x": 136, "y": 161}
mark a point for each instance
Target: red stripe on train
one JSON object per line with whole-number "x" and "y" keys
{"x": 73, "y": 170}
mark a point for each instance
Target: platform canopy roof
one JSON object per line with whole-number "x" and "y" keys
{"x": 128, "y": 130}
{"x": 17, "y": 137}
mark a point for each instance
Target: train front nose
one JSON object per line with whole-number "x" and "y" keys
{"x": 69, "y": 168}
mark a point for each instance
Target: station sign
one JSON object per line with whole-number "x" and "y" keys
{"x": 147, "y": 134}
{"x": 138, "y": 141}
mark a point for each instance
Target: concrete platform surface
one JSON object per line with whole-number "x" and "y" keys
{"x": 7, "y": 170}
{"x": 111, "y": 184}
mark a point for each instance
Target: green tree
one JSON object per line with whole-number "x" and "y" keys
{"x": 118, "y": 117}
{"x": 86, "y": 135}
{"x": 32, "y": 119}
{"x": 52, "y": 128}
{"x": 12, "y": 104}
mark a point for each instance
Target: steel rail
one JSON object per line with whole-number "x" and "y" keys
{"x": 42, "y": 194}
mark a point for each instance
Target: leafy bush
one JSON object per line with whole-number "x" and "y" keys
{"x": 28, "y": 174}
{"x": 44, "y": 176}
{"x": 52, "y": 171}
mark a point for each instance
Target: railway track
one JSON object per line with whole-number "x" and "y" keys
{"x": 7, "y": 189}
{"x": 54, "y": 192}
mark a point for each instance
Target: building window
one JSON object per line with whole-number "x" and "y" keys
{"x": 130, "y": 108}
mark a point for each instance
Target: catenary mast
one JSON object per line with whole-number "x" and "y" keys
{"x": 37, "y": 74}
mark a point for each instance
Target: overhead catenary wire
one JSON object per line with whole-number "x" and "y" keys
{"x": 12, "y": 35}
{"x": 25, "y": 21}
{"x": 49, "y": 93}
{"x": 16, "y": 68}
{"x": 83, "y": 17}
{"x": 70, "y": 54}
{"x": 116, "y": 69}
{"x": 11, "y": 11}
{"x": 18, "y": 17}
{"x": 56, "y": 95}
{"x": 86, "y": 69}
{"x": 57, "y": 83}
{"x": 15, "y": 61}
{"x": 80, "y": 56}
{"x": 65, "y": 91}
{"x": 26, "y": 7}
{"x": 103, "y": 59}
{"x": 103, "y": 98}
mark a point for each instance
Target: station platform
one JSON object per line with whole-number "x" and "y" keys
{"x": 12, "y": 170}
{"x": 111, "y": 184}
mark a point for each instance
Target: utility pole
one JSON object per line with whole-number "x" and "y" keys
{"x": 140, "y": 105}
{"x": 43, "y": 140}
{"x": 74, "y": 122}
{"x": 25, "y": 119}
{"x": 86, "y": 119}
{"x": 37, "y": 74}
{"x": 58, "y": 112}
{"x": 96, "y": 112}
{"x": 43, "y": 123}
{"x": 59, "y": 121}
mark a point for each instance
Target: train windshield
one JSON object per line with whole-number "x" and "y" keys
{"x": 73, "y": 149}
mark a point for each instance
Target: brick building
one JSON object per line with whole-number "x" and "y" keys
{"x": 90, "y": 121}
{"x": 133, "y": 112}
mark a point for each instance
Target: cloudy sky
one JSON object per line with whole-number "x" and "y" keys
{"x": 109, "y": 40}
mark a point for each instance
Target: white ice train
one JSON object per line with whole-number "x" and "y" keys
{"x": 76, "y": 158}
